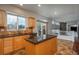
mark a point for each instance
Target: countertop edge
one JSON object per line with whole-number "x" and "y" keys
{"x": 52, "y": 36}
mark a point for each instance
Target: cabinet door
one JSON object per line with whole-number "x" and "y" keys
{"x": 1, "y": 46}
{"x": 8, "y": 45}
{"x": 53, "y": 45}
{"x": 48, "y": 47}
{"x": 30, "y": 48}
{"x": 44, "y": 48}
{"x": 24, "y": 38}
{"x": 2, "y": 17}
{"x": 18, "y": 42}
{"x": 31, "y": 22}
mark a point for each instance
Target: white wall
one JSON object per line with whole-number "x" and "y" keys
{"x": 50, "y": 26}
{"x": 72, "y": 23}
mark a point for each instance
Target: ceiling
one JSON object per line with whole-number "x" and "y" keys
{"x": 59, "y": 12}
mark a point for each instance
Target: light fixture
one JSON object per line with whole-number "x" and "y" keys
{"x": 55, "y": 13}
{"x": 39, "y": 5}
{"x": 21, "y": 4}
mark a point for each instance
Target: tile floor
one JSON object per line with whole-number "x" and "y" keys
{"x": 65, "y": 47}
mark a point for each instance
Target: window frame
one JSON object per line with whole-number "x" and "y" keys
{"x": 18, "y": 23}
{"x": 7, "y": 23}
{"x": 17, "y": 29}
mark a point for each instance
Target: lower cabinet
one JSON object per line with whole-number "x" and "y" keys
{"x": 8, "y": 45}
{"x": 18, "y": 42}
{"x": 1, "y": 46}
{"x": 11, "y": 44}
{"x": 30, "y": 48}
{"x": 48, "y": 47}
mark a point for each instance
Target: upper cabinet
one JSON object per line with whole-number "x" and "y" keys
{"x": 2, "y": 17}
{"x": 31, "y": 22}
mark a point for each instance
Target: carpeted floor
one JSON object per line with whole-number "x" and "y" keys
{"x": 65, "y": 47}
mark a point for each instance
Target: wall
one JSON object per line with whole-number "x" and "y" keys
{"x": 68, "y": 24}
{"x": 19, "y": 11}
{"x": 50, "y": 26}
{"x": 55, "y": 25}
{"x": 76, "y": 22}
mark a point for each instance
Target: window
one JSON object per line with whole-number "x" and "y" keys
{"x": 15, "y": 22}
{"x": 11, "y": 22}
{"x": 21, "y": 23}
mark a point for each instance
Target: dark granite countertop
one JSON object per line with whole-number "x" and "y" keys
{"x": 14, "y": 35}
{"x": 40, "y": 39}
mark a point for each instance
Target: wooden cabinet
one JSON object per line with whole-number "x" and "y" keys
{"x": 12, "y": 44}
{"x": 8, "y": 45}
{"x": 29, "y": 48}
{"x": 18, "y": 42}
{"x": 53, "y": 45}
{"x": 1, "y": 47}
{"x": 2, "y": 18}
{"x": 48, "y": 47}
{"x": 31, "y": 22}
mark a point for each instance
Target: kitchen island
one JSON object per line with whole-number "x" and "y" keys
{"x": 45, "y": 45}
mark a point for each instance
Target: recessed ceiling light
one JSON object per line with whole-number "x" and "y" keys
{"x": 21, "y": 4}
{"x": 55, "y": 12}
{"x": 39, "y": 5}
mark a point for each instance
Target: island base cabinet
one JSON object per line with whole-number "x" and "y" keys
{"x": 54, "y": 45}
{"x": 30, "y": 48}
{"x": 48, "y": 47}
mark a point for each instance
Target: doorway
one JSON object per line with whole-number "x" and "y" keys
{"x": 41, "y": 29}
